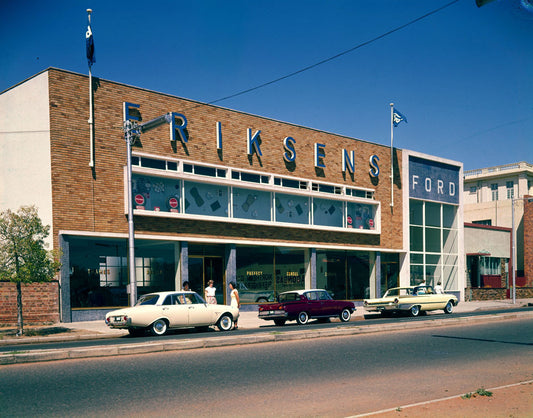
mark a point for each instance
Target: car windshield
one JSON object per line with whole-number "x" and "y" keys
{"x": 398, "y": 292}
{"x": 147, "y": 300}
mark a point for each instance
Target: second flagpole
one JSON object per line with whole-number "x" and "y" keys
{"x": 391, "y": 156}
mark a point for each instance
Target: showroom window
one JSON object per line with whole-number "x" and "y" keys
{"x": 433, "y": 243}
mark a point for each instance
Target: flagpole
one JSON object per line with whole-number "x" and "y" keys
{"x": 91, "y": 106}
{"x": 391, "y": 155}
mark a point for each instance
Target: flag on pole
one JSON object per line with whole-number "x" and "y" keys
{"x": 90, "y": 46}
{"x": 397, "y": 117}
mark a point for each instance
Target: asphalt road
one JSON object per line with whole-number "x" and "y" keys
{"x": 322, "y": 377}
{"x": 268, "y": 327}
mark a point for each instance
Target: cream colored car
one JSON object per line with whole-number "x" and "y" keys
{"x": 412, "y": 300}
{"x": 163, "y": 311}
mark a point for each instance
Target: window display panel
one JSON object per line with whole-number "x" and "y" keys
{"x": 361, "y": 216}
{"x": 433, "y": 274}
{"x": 433, "y": 240}
{"x": 449, "y": 218}
{"x": 358, "y": 275}
{"x": 206, "y": 199}
{"x": 432, "y": 214}
{"x": 290, "y": 269}
{"x": 291, "y": 208}
{"x": 251, "y": 204}
{"x": 255, "y": 274}
{"x": 416, "y": 238}
{"x": 450, "y": 237}
{"x": 331, "y": 272}
{"x": 155, "y": 193}
{"x": 417, "y": 274}
{"x": 416, "y": 208}
{"x": 449, "y": 277}
{"x": 328, "y": 212}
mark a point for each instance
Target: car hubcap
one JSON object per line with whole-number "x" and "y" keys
{"x": 226, "y": 323}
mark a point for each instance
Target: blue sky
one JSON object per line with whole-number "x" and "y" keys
{"x": 463, "y": 77}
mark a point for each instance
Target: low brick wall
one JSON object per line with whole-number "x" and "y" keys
{"x": 40, "y": 303}
{"x": 497, "y": 293}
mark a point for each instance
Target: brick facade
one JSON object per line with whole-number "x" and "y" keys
{"x": 86, "y": 199}
{"x": 40, "y": 303}
{"x": 528, "y": 239}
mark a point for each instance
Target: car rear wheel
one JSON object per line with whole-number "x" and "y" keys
{"x": 279, "y": 322}
{"x": 225, "y": 322}
{"x": 415, "y": 310}
{"x": 448, "y": 309}
{"x": 345, "y": 315}
{"x": 159, "y": 327}
{"x": 262, "y": 300}
{"x": 302, "y": 318}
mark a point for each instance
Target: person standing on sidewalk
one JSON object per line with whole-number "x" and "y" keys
{"x": 235, "y": 301}
{"x": 210, "y": 292}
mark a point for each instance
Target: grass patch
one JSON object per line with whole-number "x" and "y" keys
{"x": 479, "y": 392}
{"x": 33, "y": 331}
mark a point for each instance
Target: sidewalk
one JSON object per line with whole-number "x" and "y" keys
{"x": 247, "y": 320}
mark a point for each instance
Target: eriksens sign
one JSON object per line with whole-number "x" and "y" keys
{"x": 432, "y": 180}
{"x": 178, "y": 127}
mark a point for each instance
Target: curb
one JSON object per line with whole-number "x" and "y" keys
{"x": 274, "y": 336}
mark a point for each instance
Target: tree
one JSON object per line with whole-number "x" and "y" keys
{"x": 23, "y": 256}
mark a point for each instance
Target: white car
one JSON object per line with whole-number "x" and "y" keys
{"x": 162, "y": 311}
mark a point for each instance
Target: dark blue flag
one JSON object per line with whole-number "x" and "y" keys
{"x": 90, "y": 46}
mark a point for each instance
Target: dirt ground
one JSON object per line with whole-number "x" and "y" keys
{"x": 512, "y": 401}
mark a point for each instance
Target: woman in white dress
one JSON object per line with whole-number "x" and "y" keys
{"x": 235, "y": 301}
{"x": 210, "y": 292}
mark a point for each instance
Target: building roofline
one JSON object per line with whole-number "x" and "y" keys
{"x": 493, "y": 228}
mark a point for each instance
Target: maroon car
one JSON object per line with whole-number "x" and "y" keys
{"x": 302, "y": 305}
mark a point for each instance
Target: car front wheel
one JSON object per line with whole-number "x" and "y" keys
{"x": 345, "y": 315}
{"x": 448, "y": 309}
{"x": 225, "y": 322}
{"x": 415, "y": 310}
{"x": 302, "y": 318}
{"x": 159, "y": 327}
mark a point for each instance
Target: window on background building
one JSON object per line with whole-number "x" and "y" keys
{"x": 510, "y": 190}
{"x": 473, "y": 189}
{"x": 433, "y": 243}
{"x": 483, "y": 222}
{"x": 494, "y": 191}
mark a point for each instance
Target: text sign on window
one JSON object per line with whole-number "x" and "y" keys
{"x": 432, "y": 180}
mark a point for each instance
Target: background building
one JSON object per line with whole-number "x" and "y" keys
{"x": 220, "y": 194}
{"x": 488, "y": 196}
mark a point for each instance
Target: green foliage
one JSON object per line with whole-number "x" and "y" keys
{"x": 479, "y": 392}
{"x": 23, "y": 256}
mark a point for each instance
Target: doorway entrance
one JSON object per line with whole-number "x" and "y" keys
{"x": 205, "y": 268}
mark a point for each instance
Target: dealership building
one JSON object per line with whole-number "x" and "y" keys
{"x": 219, "y": 195}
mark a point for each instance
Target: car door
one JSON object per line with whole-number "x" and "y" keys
{"x": 175, "y": 309}
{"x": 200, "y": 313}
{"x": 328, "y": 306}
{"x": 314, "y": 304}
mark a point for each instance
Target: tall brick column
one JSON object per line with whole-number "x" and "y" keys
{"x": 528, "y": 239}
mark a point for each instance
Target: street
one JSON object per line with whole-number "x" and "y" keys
{"x": 323, "y": 377}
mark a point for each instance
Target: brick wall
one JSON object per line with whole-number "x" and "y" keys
{"x": 497, "y": 294}
{"x": 528, "y": 240}
{"x": 40, "y": 303}
{"x": 86, "y": 199}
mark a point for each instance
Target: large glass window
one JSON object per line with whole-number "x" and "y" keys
{"x": 162, "y": 194}
{"x": 433, "y": 243}
{"x": 100, "y": 275}
{"x": 344, "y": 274}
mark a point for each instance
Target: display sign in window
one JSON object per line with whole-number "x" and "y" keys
{"x": 156, "y": 193}
{"x": 251, "y": 204}
{"x": 206, "y": 199}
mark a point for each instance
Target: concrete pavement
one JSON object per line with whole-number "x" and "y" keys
{"x": 248, "y": 320}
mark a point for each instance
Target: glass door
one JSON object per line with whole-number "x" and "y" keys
{"x": 204, "y": 268}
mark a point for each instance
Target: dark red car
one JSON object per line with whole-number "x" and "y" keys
{"x": 302, "y": 305}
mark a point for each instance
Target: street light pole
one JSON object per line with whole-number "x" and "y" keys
{"x": 129, "y": 128}
{"x": 513, "y": 250}
{"x": 131, "y": 131}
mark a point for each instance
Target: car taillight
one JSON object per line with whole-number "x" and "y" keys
{"x": 125, "y": 318}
